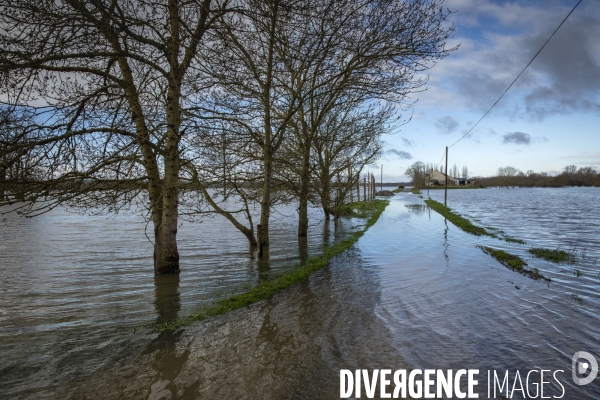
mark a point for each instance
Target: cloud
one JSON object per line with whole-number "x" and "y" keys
{"x": 408, "y": 142}
{"x": 403, "y": 155}
{"x": 446, "y": 124}
{"x": 517, "y": 138}
{"x": 585, "y": 155}
{"x": 500, "y": 38}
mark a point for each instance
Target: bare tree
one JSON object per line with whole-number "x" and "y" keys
{"x": 417, "y": 172}
{"x": 108, "y": 84}
{"x": 355, "y": 53}
{"x": 346, "y": 139}
{"x": 246, "y": 64}
{"x": 507, "y": 174}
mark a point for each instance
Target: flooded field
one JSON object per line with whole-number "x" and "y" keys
{"x": 75, "y": 288}
{"x": 414, "y": 292}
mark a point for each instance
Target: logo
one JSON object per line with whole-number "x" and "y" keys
{"x": 579, "y": 367}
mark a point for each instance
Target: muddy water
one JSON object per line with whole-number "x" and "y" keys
{"x": 414, "y": 292}
{"x": 75, "y": 288}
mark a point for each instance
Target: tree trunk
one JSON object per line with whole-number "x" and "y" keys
{"x": 265, "y": 203}
{"x": 166, "y": 255}
{"x": 2, "y": 183}
{"x": 303, "y": 195}
{"x": 303, "y": 215}
{"x": 326, "y": 196}
{"x": 350, "y": 184}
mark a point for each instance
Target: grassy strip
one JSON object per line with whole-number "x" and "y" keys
{"x": 398, "y": 190}
{"x": 456, "y": 219}
{"x": 467, "y": 225}
{"x": 502, "y": 235}
{"x": 513, "y": 240}
{"x": 415, "y": 191}
{"x": 556, "y": 256}
{"x": 513, "y": 262}
{"x": 267, "y": 289}
{"x": 363, "y": 209}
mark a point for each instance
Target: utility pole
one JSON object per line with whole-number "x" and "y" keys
{"x": 446, "y": 180}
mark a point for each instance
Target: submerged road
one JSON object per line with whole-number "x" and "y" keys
{"x": 414, "y": 292}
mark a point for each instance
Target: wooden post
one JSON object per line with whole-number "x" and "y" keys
{"x": 381, "y": 179}
{"x": 365, "y": 188}
{"x": 446, "y": 180}
{"x": 358, "y": 188}
{"x": 374, "y": 185}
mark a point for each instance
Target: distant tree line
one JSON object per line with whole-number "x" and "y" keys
{"x": 151, "y": 103}
{"x": 571, "y": 176}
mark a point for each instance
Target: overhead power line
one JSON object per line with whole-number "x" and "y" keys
{"x": 509, "y": 86}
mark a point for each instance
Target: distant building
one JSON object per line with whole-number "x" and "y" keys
{"x": 437, "y": 178}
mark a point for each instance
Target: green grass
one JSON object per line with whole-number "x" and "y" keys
{"x": 577, "y": 298}
{"x": 513, "y": 262}
{"x": 557, "y": 256}
{"x": 364, "y": 209}
{"x": 268, "y": 288}
{"x": 415, "y": 191}
{"x": 468, "y": 226}
{"x": 513, "y": 240}
{"x": 457, "y": 220}
{"x": 398, "y": 190}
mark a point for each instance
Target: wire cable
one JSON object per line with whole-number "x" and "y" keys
{"x": 443, "y": 155}
{"x": 509, "y": 86}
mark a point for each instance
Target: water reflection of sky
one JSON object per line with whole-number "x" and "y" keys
{"x": 449, "y": 305}
{"x": 87, "y": 282}
{"x": 414, "y": 292}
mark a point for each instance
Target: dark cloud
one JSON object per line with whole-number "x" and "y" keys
{"x": 517, "y": 138}
{"x": 408, "y": 142}
{"x": 571, "y": 69}
{"x": 446, "y": 124}
{"x": 564, "y": 78}
{"x": 403, "y": 155}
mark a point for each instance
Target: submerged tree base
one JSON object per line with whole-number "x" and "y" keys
{"x": 513, "y": 262}
{"x": 371, "y": 210}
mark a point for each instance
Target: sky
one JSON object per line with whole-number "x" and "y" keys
{"x": 549, "y": 119}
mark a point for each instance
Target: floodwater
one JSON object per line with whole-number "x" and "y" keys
{"x": 414, "y": 292}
